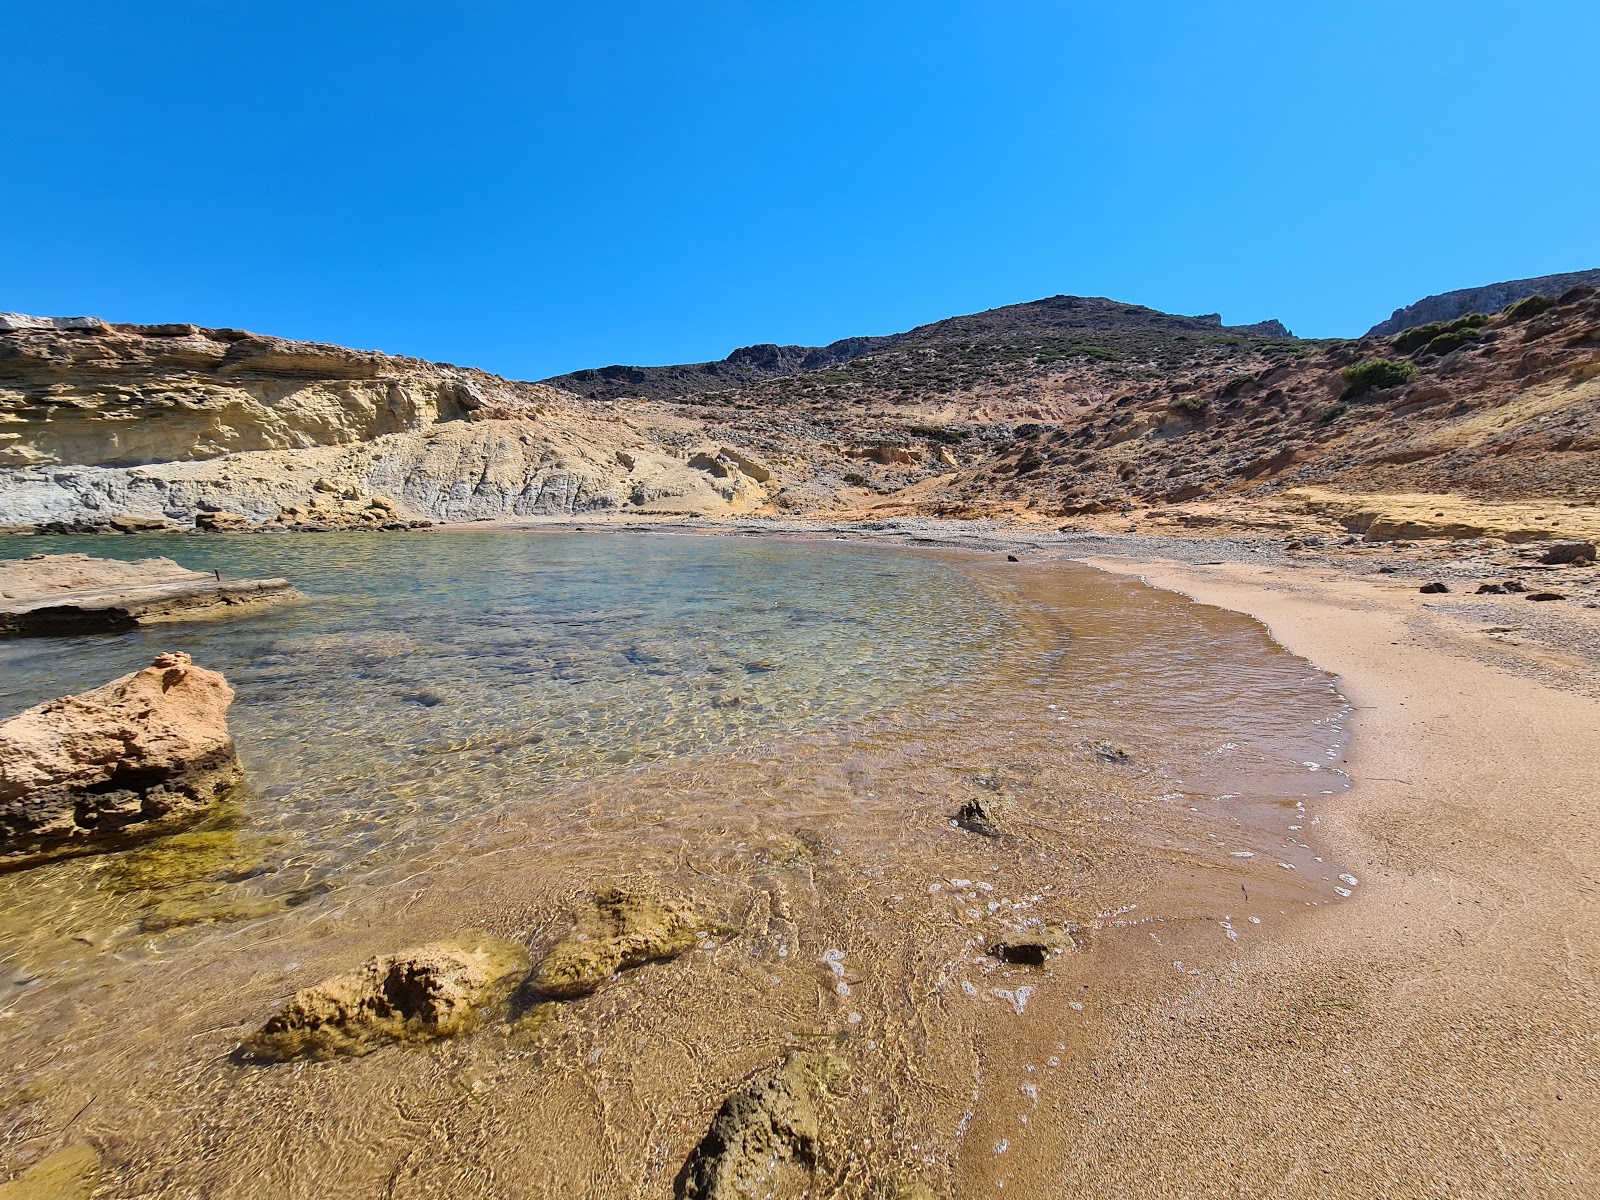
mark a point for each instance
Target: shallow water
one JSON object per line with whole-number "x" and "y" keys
{"x": 470, "y": 728}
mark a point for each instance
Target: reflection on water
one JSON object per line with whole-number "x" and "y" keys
{"x": 468, "y": 728}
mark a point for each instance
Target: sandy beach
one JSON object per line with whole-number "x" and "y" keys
{"x": 1439, "y": 1036}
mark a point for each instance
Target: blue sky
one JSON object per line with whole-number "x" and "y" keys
{"x": 535, "y": 187}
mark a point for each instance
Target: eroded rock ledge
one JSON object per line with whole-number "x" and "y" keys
{"x": 130, "y": 759}
{"x": 52, "y": 594}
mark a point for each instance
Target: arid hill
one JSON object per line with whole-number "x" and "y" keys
{"x": 1488, "y": 299}
{"x": 1062, "y": 409}
{"x": 1055, "y": 330}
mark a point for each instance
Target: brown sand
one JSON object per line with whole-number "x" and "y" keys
{"x": 1439, "y": 1036}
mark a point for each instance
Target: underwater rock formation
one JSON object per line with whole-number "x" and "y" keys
{"x": 433, "y": 991}
{"x": 620, "y": 929}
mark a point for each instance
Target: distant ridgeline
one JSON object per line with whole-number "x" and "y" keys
{"x": 1447, "y": 306}
{"x": 1056, "y": 328}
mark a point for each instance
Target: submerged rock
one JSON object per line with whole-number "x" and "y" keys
{"x": 1037, "y": 946}
{"x": 69, "y": 1174}
{"x": 120, "y": 761}
{"x": 764, "y": 1140}
{"x": 429, "y": 992}
{"x": 978, "y": 816}
{"x": 620, "y": 929}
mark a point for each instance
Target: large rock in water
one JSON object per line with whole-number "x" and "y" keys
{"x": 432, "y": 991}
{"x": 120, "y": 761}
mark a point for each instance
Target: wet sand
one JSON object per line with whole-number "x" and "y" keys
{"x": 1439, "y": 1036}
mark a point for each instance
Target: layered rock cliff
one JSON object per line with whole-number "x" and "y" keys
{"x": 174, "y": 424}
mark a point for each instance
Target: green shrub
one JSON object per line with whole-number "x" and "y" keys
{"x": 938, "y": 433}
{"x": 1453, "y": 340}
{"x": 1419, "y": 336}
{"x": 1097, "y": 353}
{"x": 1192, "y": 405}
{"x": 1529, "y": 306}
{"x": 855, "y": 479}
{"x": 1375, "y": 374}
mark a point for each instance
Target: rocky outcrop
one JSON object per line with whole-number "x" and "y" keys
{"x": 54, "y": 594}
{"x": 80, "y": 391}
{"x": 124, "y": 760}
{"x": 1492, "y": 298}
{"x": 619, "y": 929}
{"x": 434, "y": 991}
{"x": 766, "y": 1138}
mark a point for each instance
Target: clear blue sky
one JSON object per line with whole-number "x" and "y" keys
{"x": 535, "y": 187}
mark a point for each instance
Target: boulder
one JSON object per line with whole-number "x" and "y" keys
{"x": 1569, "y": 554}
{"x": 765, "y": 1139}
{"x": 620, "y": 929}
{"x": 432, "y": 991}
{"x": 125, "y": 760}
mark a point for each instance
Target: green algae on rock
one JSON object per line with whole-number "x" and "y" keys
{"x": 765, "y": 1139}
{"x": 433, "y": 991}
{"x": 620, "y": 929}
{"x": 69, "y": 1174}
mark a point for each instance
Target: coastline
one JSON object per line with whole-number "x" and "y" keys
{"x": 1438, "y": 1036}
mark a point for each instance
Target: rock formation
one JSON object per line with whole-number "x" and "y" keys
{"x": 124, "y": 760}
{"x": 619, "y": 929}
{"x": 433, "y": 991}
{"x": 765, "y": 1139}
{"x": 52, "y": 594}
{"x": 1068, "y": 407}
{"x": 1491, "y": 298}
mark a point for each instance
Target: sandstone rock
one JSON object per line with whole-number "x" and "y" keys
{"x": 220, "y": 521}
{"x": 765, "y": 1139}
{"x": 432, "y": 991}
{"x": 69, "y": 1174}
{"x": 54, "y": 594}
{"x": 620, "y": 929}
{"x": 1544, "y": 596}
{"x": 124, "y": 760}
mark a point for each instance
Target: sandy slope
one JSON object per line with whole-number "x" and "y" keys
{"x": 1441, "y": 1035}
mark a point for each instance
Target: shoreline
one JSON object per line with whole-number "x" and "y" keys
{"x": 1437, "y": 1036}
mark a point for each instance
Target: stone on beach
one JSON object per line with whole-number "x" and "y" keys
{"x": 432, "y": 991}
{"x": 119, "y": 761}
{"x": 620, "y": 929}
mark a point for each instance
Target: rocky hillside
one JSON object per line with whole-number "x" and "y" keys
{"x": 1063, "y": 409}
{"x": 1056, "y": 330}
{"x": 1488, "y": 299}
